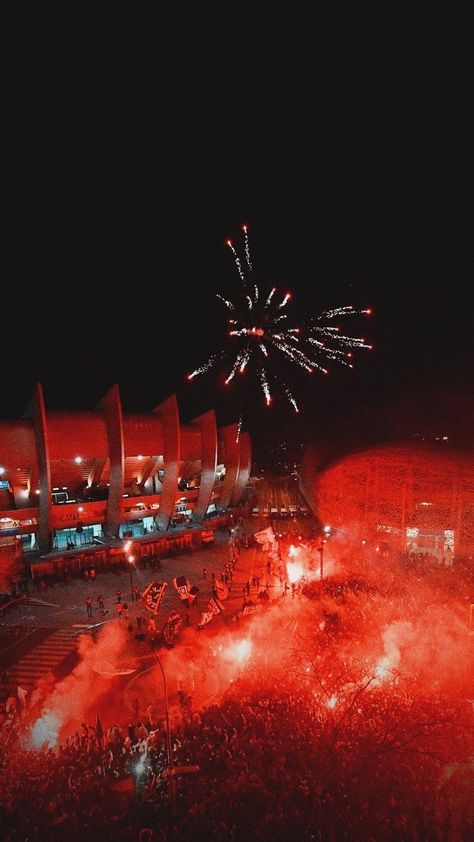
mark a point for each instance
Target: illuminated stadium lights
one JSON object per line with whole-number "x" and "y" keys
{"x": 78, "y": 460}
{"x": 2, "y": 471}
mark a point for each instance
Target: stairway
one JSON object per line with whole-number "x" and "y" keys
{"x": 46, "y": 657}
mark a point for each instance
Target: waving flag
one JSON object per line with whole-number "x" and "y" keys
{"x": 265, "y": 536}
{"x": 182, "y": 586}
{"x": 214, "y": 607}
{"x": 221, "y": 590}
{"x": 153, "y": 596}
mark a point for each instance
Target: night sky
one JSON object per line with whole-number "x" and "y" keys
{"x": 126, "y": 293}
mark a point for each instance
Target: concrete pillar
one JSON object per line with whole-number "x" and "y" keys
{"x": 208, "y": 429}
{"x": 169, "y": 416}
{"x": 112, "y": 410}
{"x": 245, "y": 464}
{"x": 37, "y": 412}
{"x": 231, "y": 451}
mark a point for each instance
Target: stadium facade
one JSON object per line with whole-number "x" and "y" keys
{"x": 85, "y": 478}
{"x": 410, "y": 498}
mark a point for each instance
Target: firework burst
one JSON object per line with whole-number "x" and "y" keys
{"x": 260, "y": 328}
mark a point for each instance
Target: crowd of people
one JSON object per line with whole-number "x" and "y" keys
{"x": 291, "y": 752}
{"x": 268, "y": 763}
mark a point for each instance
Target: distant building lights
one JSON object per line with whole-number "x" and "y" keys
{"x": 140, "y": 457}
{"x": 2, "y": 471}
{"x": 80, "y": 508}
{"x": 37, "y": 491}
{"x": 78, "y": 460}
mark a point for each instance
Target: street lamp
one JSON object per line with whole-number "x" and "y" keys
{"x": 321, "y": 558}
{"x": 169, "y": 753}
{"x": 131, "y": 559}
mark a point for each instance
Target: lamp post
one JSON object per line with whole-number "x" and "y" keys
{"x": 321, "y": 558}
{"x": 169, "y": 753}
{"x": 131, "y": 559}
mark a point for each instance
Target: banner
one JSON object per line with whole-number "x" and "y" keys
{"x": 222, "y": 591}
{"x": 182, "y": 587}
{"x": 206, "y": 617}
{"x": 171, "y": 627}
{"x": 265, "y": 536}
{"x": 153, "y": 595}
{"x": 193, "y": 592}
{"x": 214, "y": 607}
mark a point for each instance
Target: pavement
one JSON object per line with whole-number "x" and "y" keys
{"x": 60, "y": 605}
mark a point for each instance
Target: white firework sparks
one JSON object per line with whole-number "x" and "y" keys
{"x": 259, "y": 323}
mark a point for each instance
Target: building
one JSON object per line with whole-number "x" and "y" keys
{"x": 410, "y": 498}
{"x": 79, "y": 478}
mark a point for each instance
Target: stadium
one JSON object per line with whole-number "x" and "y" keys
{"x": 89, "y": 480}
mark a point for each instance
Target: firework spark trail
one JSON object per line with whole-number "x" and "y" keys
{"x": 261, "y": 325}
{"x": 226, "y": 302}
{"x": 247, "y": 248}
{"x": 204, "y": 367}
{"x": 265, "y": 387}
{"x": 237, "y": 261}
{"x": 291, "y": 399}
{"x": 270, "y": 296}
{"x": 239, "y": 428}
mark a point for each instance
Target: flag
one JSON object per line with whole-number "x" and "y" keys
{"x": 221, "y": 589}
{"x": 98, "y": 728}
{"x": 171, "y": 627}
{"x": 153, "y": 595}
{"x": 265, "y": 536}
{"x": 206, "y": 617}
{"x": 215, "y": 607}
{"x": 182, "y": 586}
{"x": 193, "y": 593}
